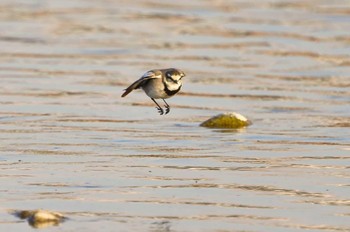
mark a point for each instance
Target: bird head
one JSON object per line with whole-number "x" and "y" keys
{"x": 174, "y": 75}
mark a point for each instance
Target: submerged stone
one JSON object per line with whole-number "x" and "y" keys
{"x": 40, "y": 218}
{"x": 227, "y": 121}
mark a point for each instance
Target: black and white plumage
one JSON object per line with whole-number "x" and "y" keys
{"x": 159, "y": 84}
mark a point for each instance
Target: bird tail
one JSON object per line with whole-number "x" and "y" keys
{"x": 127, "y": 91}
{"x": 133, "y": 86}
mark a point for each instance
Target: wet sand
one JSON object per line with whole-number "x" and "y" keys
{"x": 71, "y": 144}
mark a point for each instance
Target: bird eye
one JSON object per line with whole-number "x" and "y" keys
{"x": 168, "y": 77}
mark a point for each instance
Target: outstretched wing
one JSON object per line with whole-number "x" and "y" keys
{"x": 147, "y": 76}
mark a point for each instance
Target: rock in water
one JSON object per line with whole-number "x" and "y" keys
{"x": 40, "y": 218}
{"x": 44, "y": 216}
{"x": 227, "y": 121}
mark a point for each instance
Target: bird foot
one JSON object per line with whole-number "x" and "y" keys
{"x": 167, "y": 109}
{"x": 160, "y": 110}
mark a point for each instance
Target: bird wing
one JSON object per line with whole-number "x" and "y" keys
{"x": 137, "y": 84}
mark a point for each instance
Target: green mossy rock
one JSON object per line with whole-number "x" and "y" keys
{"x": 227, "y": 121}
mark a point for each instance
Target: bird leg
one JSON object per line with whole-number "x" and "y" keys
{"x": 167, "y": 107}
{"x": 160, "y": 110}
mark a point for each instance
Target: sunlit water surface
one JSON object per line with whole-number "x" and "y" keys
{"x": 71, "y": 144}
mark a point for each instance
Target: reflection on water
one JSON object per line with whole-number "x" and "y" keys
{"x": 70, "y": 144}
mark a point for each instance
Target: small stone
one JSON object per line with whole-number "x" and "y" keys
{"x": 40, "y": 218}
{"x": 227, "y": 121}
{"x": 44, "y": 216}
{"x": 23, "y": 214}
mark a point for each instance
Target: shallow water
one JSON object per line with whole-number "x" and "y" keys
{"x": 71, "y": 144}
